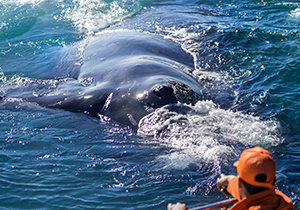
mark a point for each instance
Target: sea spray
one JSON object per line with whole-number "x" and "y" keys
{"x": 205, "y": 132}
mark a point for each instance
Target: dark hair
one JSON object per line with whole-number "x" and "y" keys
{"x": 254, "y": 189}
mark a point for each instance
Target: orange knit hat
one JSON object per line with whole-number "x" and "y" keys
{"x": 256, "y": 161}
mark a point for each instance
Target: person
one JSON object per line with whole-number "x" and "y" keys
{"x": 253, "y": 187}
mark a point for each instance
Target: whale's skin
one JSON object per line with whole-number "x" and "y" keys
{"x": 130, "y": 73}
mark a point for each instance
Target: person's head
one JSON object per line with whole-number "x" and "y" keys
{"x": 256, "y": 169}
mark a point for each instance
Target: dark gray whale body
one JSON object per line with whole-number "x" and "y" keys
{"x": 131, "y": 74}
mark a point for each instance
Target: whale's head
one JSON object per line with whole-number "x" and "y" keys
{"x": 128, "y": 75}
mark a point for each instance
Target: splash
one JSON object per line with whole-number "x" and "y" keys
{"x": 205, "y": 133}
{"x": 295, "y": 13}
{"x": 90, "y": 16}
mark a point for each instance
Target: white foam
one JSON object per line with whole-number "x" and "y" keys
{"x": 205, "y": 133}
{"x": 295, "y": 13}
{"x": 89, "y": 16}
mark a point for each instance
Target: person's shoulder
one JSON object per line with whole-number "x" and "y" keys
{"x": 285, "y": 200}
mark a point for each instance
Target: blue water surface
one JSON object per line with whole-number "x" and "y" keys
{"x": 246, "y": 55}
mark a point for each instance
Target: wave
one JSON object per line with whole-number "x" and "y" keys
{"x": 86, "y": 16}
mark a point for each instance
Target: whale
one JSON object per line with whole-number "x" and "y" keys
{"x": 123, "y": 76}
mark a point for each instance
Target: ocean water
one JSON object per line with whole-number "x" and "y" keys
{"x": 246, "y": 56}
